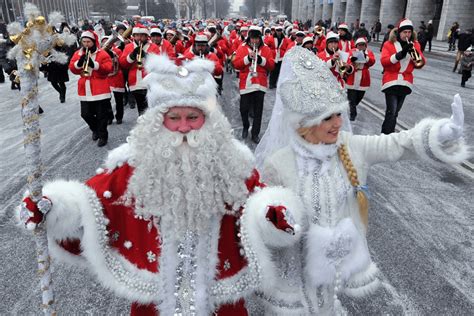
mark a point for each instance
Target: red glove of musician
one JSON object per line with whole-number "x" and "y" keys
{"x": 281, "y": 218}
{"x": 32, "y": 214}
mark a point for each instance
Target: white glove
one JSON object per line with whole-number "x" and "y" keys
{"x": 453, "y": 129}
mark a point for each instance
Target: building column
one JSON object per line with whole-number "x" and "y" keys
{"x": 422, "y": 10}
{"x": 455, "y": 10}
{"x": 318, "y": 11}
{"x": 369, "y": 12}
{"x": 352, "y": 11}
{"x": 327, "y": 11}
{"x": 391, "y": 11}
{"x": 294, "y": 9}
{"x": 338, "y": 11}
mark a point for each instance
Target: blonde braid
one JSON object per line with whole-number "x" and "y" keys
{"x": 362, "y": 199}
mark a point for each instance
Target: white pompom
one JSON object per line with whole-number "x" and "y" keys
{"x": 31, "y": 10}
{"x": 31, "y": 226}
{"x": 107, "y": 194}
{"x": 14, "y": 28}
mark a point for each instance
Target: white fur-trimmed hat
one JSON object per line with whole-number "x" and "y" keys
{"x": 155, "y": 30}
{"x": 331, "y": 36}
{"x": 361, "y": 40}
{"x": 343, "y": 26}
{"x": 405, "y": 24}
{"x": 201, "y": 38}
{"x": 307, "y": 39}
{"x": 140, "y": 29}
{"x": 191, "y": 84}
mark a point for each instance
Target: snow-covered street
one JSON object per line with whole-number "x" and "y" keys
{"x": 421, "y": 218}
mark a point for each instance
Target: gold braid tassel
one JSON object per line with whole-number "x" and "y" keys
{"x": 362, "y": 199}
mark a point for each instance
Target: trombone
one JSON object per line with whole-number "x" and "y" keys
{"x": 253, "y": 66}
{"x": 415, "y": 55}
{"x": 319, "y": 30}
{"x": 140, "y": 58}
{"x": 85, "y": 69}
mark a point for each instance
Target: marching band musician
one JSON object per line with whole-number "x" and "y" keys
{"x": 308, "y": 44}
{"x": 94, "y": 66}
{"x": 319, "y": 38}
{"x": 398, "y": 65}
{"x": 116, "y": 81}
{"x": 281, "y": 44}
{"x": 133, "y": 58}
{"x": 173, "y": 37}
{"x": 200, "y": 49}
{"x": 332, "y": 57}
{"x": 346, "y": 43}
{"x": 254, "y": 59}
{"x": 359, "y": 81}
{"x": 164, "y": 47}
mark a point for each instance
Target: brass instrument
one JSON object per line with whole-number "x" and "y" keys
{"x": 126, "y": 34}
{"x": 341, "y": 66}
{"x": 319, "y": 30}
{"x": 415, "y": 55}
{"x": 139, "y": 58}
{"x": 85, "y": 69}
{"x": 175, "y": 38}
{"x": 214, "y": 39}
{"x": 112, "y": 39}
{"x": 253, "y": 66}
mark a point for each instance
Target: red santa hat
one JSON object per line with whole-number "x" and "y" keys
{"x": 361, "y": 40}
{"x": 170, "y": 32}
{"x": 405, "y": 24}
{"x": 190, "y": 84}
{"x": 332, "y": 37}
{"x": 300, "y": 33}
{"x": 91, "y": 35}
{"x": 201, "y": 38}
{"x": 244, "y": 29}
{"x": 155, "y": 31}
{"x": 343, "y": 26}
{"x": 255, "y": 28}
{"x": 307, "y": 39}
{"x": 140, "y": 29}
{"x": 279, "y": 28}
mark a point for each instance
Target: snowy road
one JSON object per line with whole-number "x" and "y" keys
{"x": 421, "y": 218}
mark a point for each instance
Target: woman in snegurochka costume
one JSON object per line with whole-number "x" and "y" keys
{"x": 310, "y": 148}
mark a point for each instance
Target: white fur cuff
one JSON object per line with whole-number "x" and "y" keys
{"x": 257, "y": 207}
{"x": 427, "y": 145}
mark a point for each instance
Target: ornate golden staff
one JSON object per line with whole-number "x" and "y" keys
{"x": 35, "y": 45}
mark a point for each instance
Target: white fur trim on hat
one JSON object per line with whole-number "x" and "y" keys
{"x": 191, "y": 84}
{"x": 307, "y": 39}
{"x": 255, "y": 28}
{"x": 361, "y": 40}
{"x": 405, "y": 23}
{"x": 140, "y": 30}
{"x": 201, "y": 38}
{"x": 244, "y": 28}
{"x": 300, "y": 33}
{"x": 155, "y": 30}
{"x": 88, "y": 34}
{"x": 343, "y": 26}
{"x": 331, "y": 35}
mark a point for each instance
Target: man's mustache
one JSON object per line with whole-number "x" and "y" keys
{"x": 191, "y": 138}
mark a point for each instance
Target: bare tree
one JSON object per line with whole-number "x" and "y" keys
{"x": 115, "y": 8}
{"x": 191, "y": 5}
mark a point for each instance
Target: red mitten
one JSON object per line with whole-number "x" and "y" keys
{"x": 32, "y": 214}
{"x": 281, "y": 218}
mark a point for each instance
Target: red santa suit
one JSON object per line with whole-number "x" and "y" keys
{"x": 327, "y": 57}
{"x": 270, "y": 42}
{"x": 345, "y": 45}
{"x": 241, "y": 63}
{"x": 320, "y": 43}
{"x": 165, "y": 47}
{"x": 116, "y": 80}
{"x": 136, "y": 75}
{"x": 398, "y": 72}
{"x": 95, "y": 86}
{"x": 359, "y": 79}
{"x": 161, "y": 262}
{"x": 190, "y": 55}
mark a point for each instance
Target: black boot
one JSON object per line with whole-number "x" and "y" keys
{"x": 256, "y": 139}
{"x": 353, "y": 114}
{"x": 95, "y": 136}
{"x": 102, "y": 142}
{"x": 245, "y": 133}
{"x": 40, "y": 111}
{"x": 62, "y": 95}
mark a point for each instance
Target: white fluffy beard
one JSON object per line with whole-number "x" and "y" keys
{"x": 182, "y": 183}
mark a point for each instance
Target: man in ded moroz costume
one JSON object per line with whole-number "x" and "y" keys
{"x": 308, "y": 147}
{"x": 178, "y": 221}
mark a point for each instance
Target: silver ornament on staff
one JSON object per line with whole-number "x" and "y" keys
{"x": 35, "y": 45}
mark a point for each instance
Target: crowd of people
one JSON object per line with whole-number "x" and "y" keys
{"x": 184, "y": 220}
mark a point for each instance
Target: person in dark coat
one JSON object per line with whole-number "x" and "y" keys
{"x": 453, "y": 36}
{"x": 57, "y": 73}
{"x": 467, "y": 61}
{"x": 464, "y": 42}
{"x": 429, "y": 34}
{"x": 387, "y": 35}
{"x": 422, "y": 37}
{"x": 3, "y": 49}
{"x": 362, "y": 32}
{"x": 377, "y": 30}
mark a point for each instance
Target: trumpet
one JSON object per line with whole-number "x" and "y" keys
{"x": 253, "y": 66}
{"x": 85, "y": 69}
{"x": 214, "y": 39}
{"x": 415, "y": 55}
{"x": 139, "y": 58}
{"x": 341, "y": 66}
